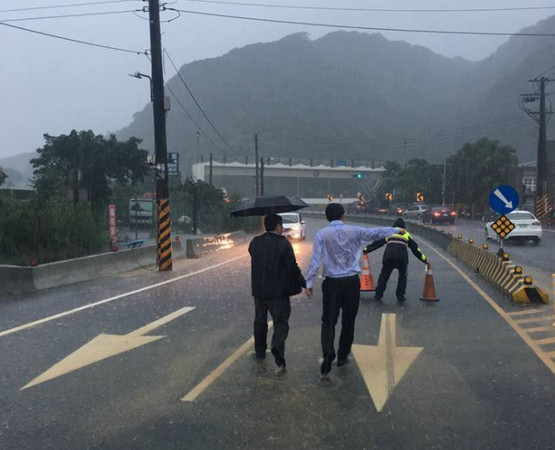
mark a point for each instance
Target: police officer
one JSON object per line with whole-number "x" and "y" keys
{"x": 395, "y": 257}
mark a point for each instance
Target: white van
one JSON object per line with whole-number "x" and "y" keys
{"x": 294, "y": 227}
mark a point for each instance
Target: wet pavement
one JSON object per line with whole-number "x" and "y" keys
{"x": 477, "y": 382}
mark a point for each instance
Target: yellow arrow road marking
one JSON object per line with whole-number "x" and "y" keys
{"x": 105, "y": 346}
{"x": 384, "y": 366}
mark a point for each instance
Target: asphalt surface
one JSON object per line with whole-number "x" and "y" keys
{"x": 478, "y": 382}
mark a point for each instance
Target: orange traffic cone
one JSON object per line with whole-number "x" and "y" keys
{"x": 366, "y": 280}
{"x": 429, "y": 292}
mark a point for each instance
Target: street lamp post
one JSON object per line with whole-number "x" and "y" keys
{"x": 142, "y": 75}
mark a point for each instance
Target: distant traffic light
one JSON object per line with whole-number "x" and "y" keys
{"x": 359, "y": 175}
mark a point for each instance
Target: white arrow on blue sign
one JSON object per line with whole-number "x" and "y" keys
{"x": 503, "y": 199}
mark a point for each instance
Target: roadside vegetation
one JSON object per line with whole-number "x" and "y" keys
{"x": 76, "y": 178}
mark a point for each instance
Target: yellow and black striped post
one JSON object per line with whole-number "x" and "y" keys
{"x": 541, "y": 209}
{"x": 164, "y": 236}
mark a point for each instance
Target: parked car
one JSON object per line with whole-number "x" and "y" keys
{"x": 397, "y": 209}
{"x": 415, "y": 211}
{"x": 294, "y": 227}
{"x": 527, "y": 227}
{"x": 439, "y": 214}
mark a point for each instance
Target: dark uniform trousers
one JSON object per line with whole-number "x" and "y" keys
{"x": 387, "y": 268}
{"x": 339, "y": 294}
{"x": 280, "y": 310}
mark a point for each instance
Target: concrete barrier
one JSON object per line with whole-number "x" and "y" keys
{"x": 15, "y": 280}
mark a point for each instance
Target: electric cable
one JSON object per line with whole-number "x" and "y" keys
{"x": 77, "y": 41}
{"x": 197, "y": 103}
{"x": 62, "y": 16}
{"x": 71, "y": 5}
{"x": 332, "y": 8}
{"x": 357, "y": 27}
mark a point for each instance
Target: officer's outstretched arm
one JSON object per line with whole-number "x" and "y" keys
{"x": 374, "y": 246}
{"x": 416, "y": 251}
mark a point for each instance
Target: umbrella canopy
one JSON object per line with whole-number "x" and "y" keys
{"x": 260, "y": 206}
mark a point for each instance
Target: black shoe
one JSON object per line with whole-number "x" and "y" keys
{"x": 325, "y": 368}
{"x": 401, "y": 300}
{"x": 280, "y": 360}
{"x": 342, "y": 362}
{"x": 377, "y": 299}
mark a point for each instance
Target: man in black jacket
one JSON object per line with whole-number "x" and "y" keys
{"x": 396, "y": 257}
{"x": 274, "y": 270}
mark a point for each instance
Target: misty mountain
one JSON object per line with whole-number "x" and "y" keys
{"x": 18, "y": 168}
{"x": 353, "y": 95}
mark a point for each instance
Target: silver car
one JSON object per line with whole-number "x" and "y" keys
{"x": 415, "y": 211}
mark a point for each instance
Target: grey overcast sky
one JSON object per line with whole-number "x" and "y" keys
{"x": 53, "y": 86}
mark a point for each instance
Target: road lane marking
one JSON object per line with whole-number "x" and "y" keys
{"x": 549, "y": 340}
{"x": 105, "y": 346}
{"x": 111, "y": 299}
{"x": 201, "y": 387}
{"x": 525, "y": 312}
{"x": 534, "y": 320}
{"x": 551, "y": 354}
{"x": 543, "y": 356}
{"x": 538, "y": 329}
{"x": 384, "y": 365}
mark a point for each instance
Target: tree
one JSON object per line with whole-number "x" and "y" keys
{"x": 417, "y": 176}
{"x": 476, "y": 169}
{"x": 3, "y": 176}
{"x": 85, "y": 160}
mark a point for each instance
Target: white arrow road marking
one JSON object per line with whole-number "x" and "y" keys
{"x": 105, "y": 346}
{"x": 383, "y": 366}
{"x": 501, "y": 197}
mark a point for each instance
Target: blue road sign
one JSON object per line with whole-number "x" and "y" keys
{"x": 503, "y": 199}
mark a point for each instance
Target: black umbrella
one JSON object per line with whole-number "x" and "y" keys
{"x": 260, "y": 206}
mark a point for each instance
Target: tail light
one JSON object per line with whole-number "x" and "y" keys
{"x": 436, "y": 214}
{"x": 453, "y": 213}
{"x": 399, "y": 210}
{"x": 536, "y": 224}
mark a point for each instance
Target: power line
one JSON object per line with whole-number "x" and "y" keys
{"x": 77, "y": 41}
{"x": 355, "y": 27}
{"x": 331, "y": 8}
{"x": 61, "y": 16}
{"x": 543, "y": 73}
{"x": 35, "y": 8}
{"x": 193, "y": 120}
{"x": 198, "y": 104}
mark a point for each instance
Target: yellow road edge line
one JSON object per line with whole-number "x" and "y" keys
{"x": 522, "y": 313}
{"x": 218, "y": 371}
{"x": 111, "y": 299}
{"x": 527, "y": 339}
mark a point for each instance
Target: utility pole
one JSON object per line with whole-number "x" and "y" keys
{"x": 198, "y": 146}
{"x": 164, "y": 239}
{"x": 257, "y": 183}
{"x": 444, "y": 181}
{"x": 210, "y": 171}
{"x": 542, "y": 202}
{"x": 261, "y": 176}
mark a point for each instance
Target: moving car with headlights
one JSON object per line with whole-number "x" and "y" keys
{"x": 439, "y": 214}
{"x": 294, "y": 227}
{"x": 397, "y": 209}
{"x": 415, "y": 211}
{"x": 527, "y": 227}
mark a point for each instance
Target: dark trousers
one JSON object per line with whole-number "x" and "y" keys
{"x": 280, "y": 310}
{"x": 387, "y": 268}
{"x": 339, "y": 294}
